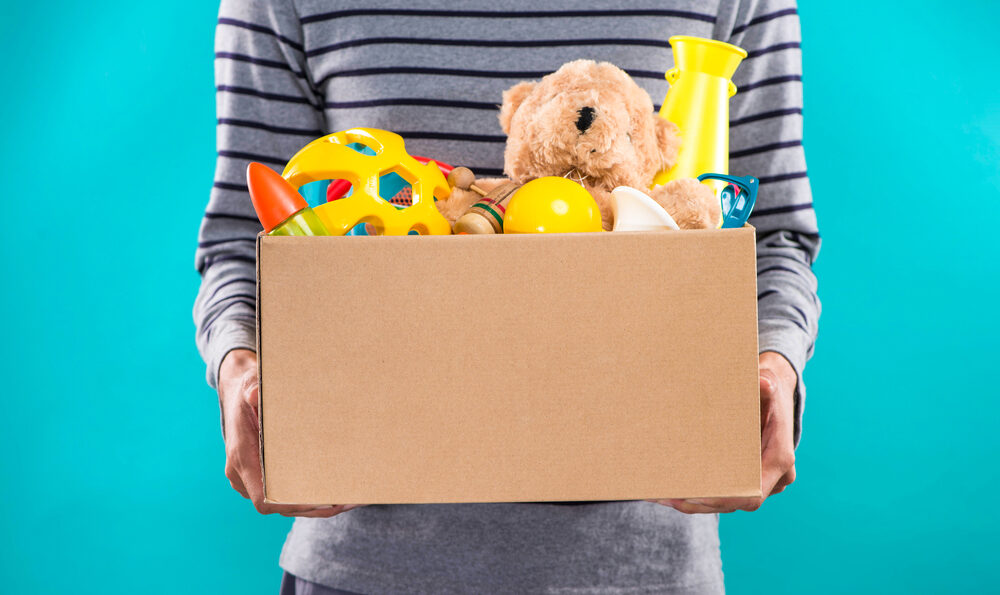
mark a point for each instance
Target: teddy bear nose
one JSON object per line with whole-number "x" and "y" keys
{"x": 586, "y": 118}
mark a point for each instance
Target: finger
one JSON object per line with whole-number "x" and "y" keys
{"x": 778, "y": 456}
{"x": 773, "y": 469}
{"x": 297, "y": 509}
{"x": 310, "y": 510}
{"x": 767, "y": 421}
{"x": 241, "y": 436}
{"x": 712, "y": 505}
{"x": 768, "y": 390}
{"x": 323, "y": 512}
{"x": 786, "y": 480}
{"x": 768, "y": 381}
{"x": 251, "y": 396}
{"x": 255, "y": 487}
{"x": 729, "y": 504}
{"x": 773, "y": 472}
{"x": 234, "y": 464}
{"x": 690, "y": 506}
{"x": 235, "y": 481}
{"x": 248, "y": 464}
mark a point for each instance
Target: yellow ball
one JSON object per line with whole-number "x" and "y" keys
{"x": 552, "y": 205}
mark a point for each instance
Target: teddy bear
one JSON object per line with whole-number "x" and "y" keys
{"x": 589, "y": 121}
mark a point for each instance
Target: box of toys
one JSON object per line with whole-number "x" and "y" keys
{"x": 584, "y": 329}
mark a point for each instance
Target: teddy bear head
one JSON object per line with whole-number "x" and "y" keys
{"x": 589, "y": 120}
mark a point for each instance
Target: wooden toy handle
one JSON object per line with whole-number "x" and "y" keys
{"x": 462, "y": 177}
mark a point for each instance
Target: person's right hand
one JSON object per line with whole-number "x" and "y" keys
{"x": 238, "y": 398}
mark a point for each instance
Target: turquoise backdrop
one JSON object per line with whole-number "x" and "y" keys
{"x": 112, "y": 461}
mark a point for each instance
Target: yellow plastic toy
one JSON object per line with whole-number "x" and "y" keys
{"x": 552, "y": 205}
{"x": 329, "y": 158}
{"x": 698, "y": 102}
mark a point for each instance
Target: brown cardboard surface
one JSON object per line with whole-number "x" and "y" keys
{"x": 608, "y": 366}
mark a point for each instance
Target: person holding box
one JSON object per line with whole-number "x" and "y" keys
{"x": 288, "y": 71}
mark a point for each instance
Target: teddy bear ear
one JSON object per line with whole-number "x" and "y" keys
{"x": 512, "y": 99}
{"x": 668, "y": 139}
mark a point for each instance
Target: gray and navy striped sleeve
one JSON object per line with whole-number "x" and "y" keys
{"x": 267, "y": 110}
{"x": 766, "y": 141}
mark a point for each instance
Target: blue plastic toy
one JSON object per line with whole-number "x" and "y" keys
{"x": 737, "y": 197}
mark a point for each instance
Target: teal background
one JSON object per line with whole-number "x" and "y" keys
{"x": 112, "y": 460}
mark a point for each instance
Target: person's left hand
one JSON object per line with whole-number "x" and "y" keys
{"x": 777, "y": 420}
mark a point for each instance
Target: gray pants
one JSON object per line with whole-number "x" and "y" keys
{"x": 293, "y": 585}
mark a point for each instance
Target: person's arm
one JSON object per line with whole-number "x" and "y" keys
{"x": 766, "y": 142}
{"x": 267, "y": 109}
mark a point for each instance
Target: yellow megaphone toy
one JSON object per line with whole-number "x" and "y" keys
{"x": 698, "y": 103}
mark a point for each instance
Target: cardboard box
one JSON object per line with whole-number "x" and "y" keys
{"x": 508, "y": 368}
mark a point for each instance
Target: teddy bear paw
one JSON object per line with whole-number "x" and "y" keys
{"x": 693, "y": 205}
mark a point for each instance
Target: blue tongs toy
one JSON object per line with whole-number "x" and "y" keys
{"x": 738, "y": 198}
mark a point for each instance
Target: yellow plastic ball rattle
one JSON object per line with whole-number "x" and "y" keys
{"x": 330, "y": 157}
{"x": 552, "y": 205}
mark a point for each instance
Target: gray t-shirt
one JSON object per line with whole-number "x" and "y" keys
{"x": 288, "y": 71}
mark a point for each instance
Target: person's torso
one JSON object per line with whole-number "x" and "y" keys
{"x": 436, "y": 76}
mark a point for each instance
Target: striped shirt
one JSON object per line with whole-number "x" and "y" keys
{"x": 288, "y": 71}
